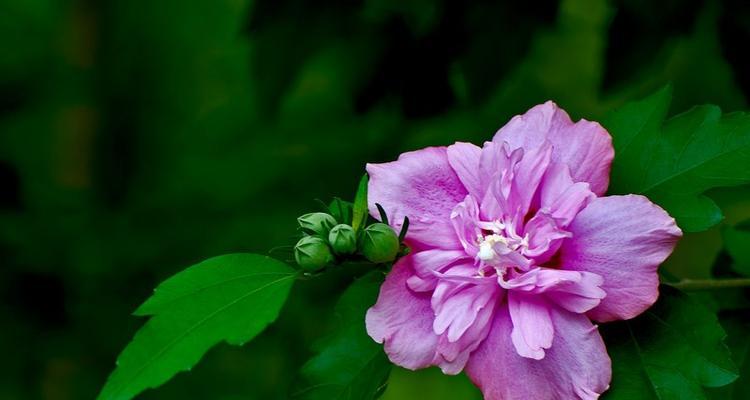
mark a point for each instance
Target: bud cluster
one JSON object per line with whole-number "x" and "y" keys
{"x": 326, "y": 241}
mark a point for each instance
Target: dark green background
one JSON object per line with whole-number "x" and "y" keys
{"x": 139, "y": 137}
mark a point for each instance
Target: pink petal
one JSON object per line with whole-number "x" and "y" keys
{"x": 532, "y": 325}
{"x": 584, "y": 146}
{"x": 458, "y": 312}
{"x": 623, "y": 239}
{"x": 428, "y": 261}
{"x": 562, "y": 198}
{"x": 465, "y": 220}
{"x": 497, "y": 166}
{"x": 402, "y": 320}
{"x": 545, "y": 237}
{"x": 572, "y": 290}
{"x": 421, "y": 185}
{"x": 575, "y": 367}
{"x": 464, "y": 159}
{"x": 451, "y": 357}
{"x": 529, "y": 173}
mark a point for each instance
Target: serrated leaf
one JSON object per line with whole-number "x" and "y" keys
{"x": 350, "y": 365}
{"x": 738, "y": 340}
{"x": 674, "y": 162}
{"x": 360, "y": 211}
{"x": 228, "y": 298}
{"x": 737, "y": 243}
{"x": 671, "y": 351}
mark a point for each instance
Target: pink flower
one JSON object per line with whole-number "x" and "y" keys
{"x": 514, "y": 253}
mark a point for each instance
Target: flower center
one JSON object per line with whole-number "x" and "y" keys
{"x": 499, "y": 248}
{"x": 488, "y": 244}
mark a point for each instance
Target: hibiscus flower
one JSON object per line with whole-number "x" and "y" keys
{"x": 516, "y": 254}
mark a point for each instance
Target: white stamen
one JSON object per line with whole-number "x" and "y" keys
{"x": 487, "y": 247}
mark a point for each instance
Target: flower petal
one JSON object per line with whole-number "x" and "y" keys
{"x": 561, "y": 197}
{"x": 623, "y": 239}
{"x": 575, "y": 367}
{"x": 545, "y": 237}
{"x": 422, "y": 186}
{"x": 575, "y": 291}
{"x": 465, "y": 220}
{"x": 427, "y": 262}
{"x": 532, "y": 325}
{"x": 451, "y": 357}
{"x": 464, "y": 159}
{"x": 402, "y": 320}
{"x": 584, "y": 146}
{"x": 530, "y": 171}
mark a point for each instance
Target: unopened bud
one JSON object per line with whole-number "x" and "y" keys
{"x": 317, "y": 223}
{"x": 343, "y": 240}
{"x": 379, "y": 243}
{"x": 312, "y": 253}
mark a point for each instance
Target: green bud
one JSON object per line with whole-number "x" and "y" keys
{"x": 343, "y": 239}
{"x": 312, "y": 253}
{"x": 379, "y": 243}
{"x": 319, "y": 223}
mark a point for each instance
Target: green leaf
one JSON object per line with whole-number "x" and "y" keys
{"x": 737, "y": 243}
{"x": 674, "y": 162}
{"x": 350, "y": 365}
{"x": 360, "y": 205}
{"x": 341, "y": 211}
{"x": 671, "y": 351}
{"x": 231, "y": 297}
{"x": 737, "y": 326}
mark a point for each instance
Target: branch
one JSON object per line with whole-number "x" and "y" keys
{"x": 710, "y": 284}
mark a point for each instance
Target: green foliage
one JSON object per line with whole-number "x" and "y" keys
{"x": 231, "y": 298}
{"x": 341, "y": 210}
{"x": 360, "y": 211}
{"x": 671, "y": 351}
{"x": 350, "y": 365}
{"x": 143, "y": 135}
{"x": 738, "y": 341}
{"x": 674, "y": 162}
{"x": 737, "y": 244}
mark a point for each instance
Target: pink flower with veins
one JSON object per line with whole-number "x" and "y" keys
{"x": 514, "y": 253}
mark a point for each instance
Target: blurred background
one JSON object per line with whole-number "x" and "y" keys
{"x": 140, "y": 137}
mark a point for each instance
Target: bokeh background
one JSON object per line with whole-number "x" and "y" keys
{"x": 140, "y": 137}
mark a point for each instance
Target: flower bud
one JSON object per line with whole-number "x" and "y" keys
{"x": 312, "y": 253}
{"x": 379, "y": 243}
{"x": 318, "y": 223}
{"x": 343, "y": 240}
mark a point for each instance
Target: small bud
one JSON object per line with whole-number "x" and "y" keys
{"x": 343, "y": 239}
{"x": 379, "y": 243}
{"x": 312, "y": 253}
{"x": 318, "y": 223}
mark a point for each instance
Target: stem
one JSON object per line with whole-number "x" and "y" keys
{"x": 710, "y": 284}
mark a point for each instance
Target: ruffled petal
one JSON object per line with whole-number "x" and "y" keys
{"x": 429, "y": 261}
{"x": 584, "y": 146}
{"x": 532, "y": 324}
{"x": 464, "y": 159}
{"x": 623, "y": 239}
{"x": 527, "y": 177}
{"x": 561, "y": 197}
{"x": 421, "y": 185}
{"x": 497, "y": 168}
{"x": 545, "y": 237}
{"x": 451, "y": 357}
{"x": 465, "y": 221}
{"x": 576, "y": 291}
{"x": 575, "y": 367}
{"x": 463, "y": 307}
{"x": 402, "y": 320}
